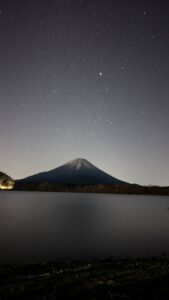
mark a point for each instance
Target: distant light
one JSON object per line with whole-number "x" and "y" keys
{"x": 4, "y": 187}
{"x": 100, "y": 74}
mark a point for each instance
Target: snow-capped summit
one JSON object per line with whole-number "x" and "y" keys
{"x": 79, "y": 163}
{"x": 75, "y": 172}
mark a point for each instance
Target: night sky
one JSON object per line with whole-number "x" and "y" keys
{"x": 85, "y": 78}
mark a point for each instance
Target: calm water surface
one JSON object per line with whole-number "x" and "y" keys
{"x": 38, "y": 226}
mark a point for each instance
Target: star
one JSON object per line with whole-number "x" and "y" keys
{"x": 100, "y": 74}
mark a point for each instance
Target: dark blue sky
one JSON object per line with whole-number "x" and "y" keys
{"x": 85, "y": 79}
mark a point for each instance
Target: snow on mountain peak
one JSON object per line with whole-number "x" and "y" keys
{"x": 79, "y": 163}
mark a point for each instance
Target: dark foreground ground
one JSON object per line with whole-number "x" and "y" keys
{"x": 108, "y": 279}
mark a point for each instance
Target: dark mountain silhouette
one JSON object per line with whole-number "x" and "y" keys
{"x": 76, "y": 172}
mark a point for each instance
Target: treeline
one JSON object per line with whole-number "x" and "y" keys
{"x": 6, "y": 182}
{"x": 98, "y": 188}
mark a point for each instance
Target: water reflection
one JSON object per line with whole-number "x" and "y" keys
{"x": 45, "y": 226}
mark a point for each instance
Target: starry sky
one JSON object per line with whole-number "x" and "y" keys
{"x": 85, "y": 78}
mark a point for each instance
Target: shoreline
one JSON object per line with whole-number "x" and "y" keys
{"x": 88, "y": 192}
{"x": 112, "y": 278}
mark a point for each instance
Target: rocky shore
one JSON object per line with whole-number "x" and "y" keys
{"x": 97, "y": 279}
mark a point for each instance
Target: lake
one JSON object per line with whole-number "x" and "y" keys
{"x": 40, "y": 226}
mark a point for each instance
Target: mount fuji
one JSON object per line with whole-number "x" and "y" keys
{"x": 76, "y": 172}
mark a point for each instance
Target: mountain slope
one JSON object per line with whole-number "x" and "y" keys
{"x": 76, "y": 172}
